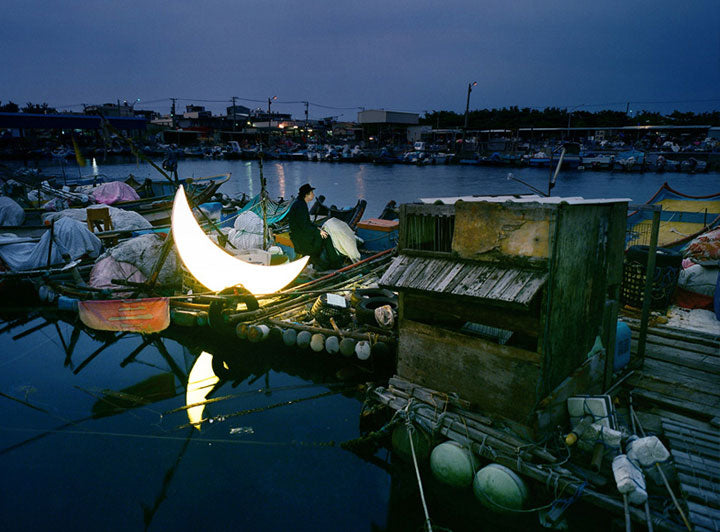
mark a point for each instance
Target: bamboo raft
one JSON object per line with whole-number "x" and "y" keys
{"x": 290, "y": 309}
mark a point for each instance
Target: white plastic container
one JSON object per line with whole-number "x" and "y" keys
{"x": 647, "y": 451}
{"x": 629, "y": 479}
{"x": 598, "y": 432}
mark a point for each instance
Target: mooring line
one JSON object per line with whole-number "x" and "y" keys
{"x": 223, "y": 417}
{"x": 255, "y": 392}
{"x": 291, "y": 443}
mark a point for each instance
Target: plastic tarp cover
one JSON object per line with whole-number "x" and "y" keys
{"x": 699, "y": 279}
{"x": 107, "y": 269}
{"x": 143, "y": 252}
{"x": 11, "y": 213}
{"x": 247, "y": 232}
{"x": 71, "y": 240}
{"x": 343, "y": 238}
{"x": 705, "y": 249}
{"x": 109, "y": 193}
{"x": 122, "y": 220}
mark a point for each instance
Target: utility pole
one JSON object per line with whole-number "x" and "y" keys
{"x": 234, "y": 115}
{"x": 172, "y": 111}
{"x": 467, "y": 109}
{"x": 306, "y": 113}
{"x": 269, "y": 115}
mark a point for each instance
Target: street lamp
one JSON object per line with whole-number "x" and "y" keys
{"x": 570, "y": 113}
{"x": 270, "y": 100}
{"x": 467, "y": 109}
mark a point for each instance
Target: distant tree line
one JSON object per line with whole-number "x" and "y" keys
{"x": 514, "y": 117}
{"x": 40, "y": 109}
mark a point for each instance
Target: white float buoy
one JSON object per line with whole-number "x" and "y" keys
{"x": 332, "y": 345}
{"x": 452, "y": 464}
{"x": 258, "y": 333}
{"x": 499, "y": 488}
{"x": 275, "y": 335}
{"x": 317, "y": 342}
{"x": 363, "y": 349}
{"x": 241, "y": 330}
{"x": 347, "y": 347}
{"x": 303, "y": 339}
{"x": 289, "y": 337}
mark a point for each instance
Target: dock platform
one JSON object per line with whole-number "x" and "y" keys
{"x": 677, "y": 393}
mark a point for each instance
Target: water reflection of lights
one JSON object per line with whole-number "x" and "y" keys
{"x": 214, "y": 267}
{"x": 281, "y": 179}
{"x": 360, "y": 182}
{"x": 249, "y": 175}
{"x": 95, "y": 169}
{"x": 201, "y": 381}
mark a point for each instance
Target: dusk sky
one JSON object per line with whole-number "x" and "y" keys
{"x": 403, "y": 55}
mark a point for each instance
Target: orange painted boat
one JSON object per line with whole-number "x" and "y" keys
{"x": 145, "y": 316}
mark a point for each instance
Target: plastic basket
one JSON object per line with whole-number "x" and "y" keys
{"x": 665, "y": 277}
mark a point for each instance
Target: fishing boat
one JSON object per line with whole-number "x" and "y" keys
{"x": 349, "y": 215}
{"x": 683, "y": 218}
{"x": 632, "y": 160}
{"x": 597, "y": 160}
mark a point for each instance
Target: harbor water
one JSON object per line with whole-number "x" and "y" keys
{"x": 95, "y": 433}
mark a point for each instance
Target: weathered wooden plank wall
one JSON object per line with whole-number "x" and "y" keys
{"x": 586, "y": 254}
{"x": 493, "y": 377}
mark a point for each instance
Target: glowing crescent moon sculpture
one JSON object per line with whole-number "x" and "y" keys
{"x": 217, "y": 269}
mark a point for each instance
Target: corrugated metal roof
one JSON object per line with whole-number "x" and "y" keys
{"x": 524, "y": 198}
{"x": 482, "y": 280}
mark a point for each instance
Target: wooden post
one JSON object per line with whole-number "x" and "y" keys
{"x": 402, "y": 228}
{"x": 649, "y": 276}
{"x": 608, "y": 336}
{"x": 52, "y": 239}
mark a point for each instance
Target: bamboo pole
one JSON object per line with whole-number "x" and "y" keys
{"x": 331, "y": 332}
{"x": 662, "y": 474}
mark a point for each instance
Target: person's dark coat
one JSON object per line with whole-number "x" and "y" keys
{"x": 304, "y": 234}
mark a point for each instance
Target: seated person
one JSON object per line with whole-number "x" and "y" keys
{"x": 307, "y": 238}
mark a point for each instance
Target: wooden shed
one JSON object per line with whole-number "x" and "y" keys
{"x": 502, "y": 299}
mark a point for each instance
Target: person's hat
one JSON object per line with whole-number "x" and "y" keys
{"x": 305, "y": 189}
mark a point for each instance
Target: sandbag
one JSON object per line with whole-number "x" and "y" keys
{"x": 343, "y": 238}
{"x": 705, "y": 249}
{"x": 144, "y": 251}
{"x": 11, "y": 213}
{"x": 107, "y": 269}
{"x": 699, "y": 279}
{"x": 247, "y": 231}
{"x": 696, "y": 287}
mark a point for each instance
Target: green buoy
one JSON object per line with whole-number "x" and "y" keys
{"x": 452, "y": 464}
{"x": 401, "y": 443}
{"x": 500, "y": 488}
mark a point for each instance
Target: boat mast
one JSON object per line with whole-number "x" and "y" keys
{"x": 263, "y": 199}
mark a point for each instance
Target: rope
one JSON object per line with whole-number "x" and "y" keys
{"x": 292, "y": 443}
{"x": 411, "y": 429}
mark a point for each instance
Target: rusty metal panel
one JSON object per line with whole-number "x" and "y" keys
{"x": 521, "y": 230}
